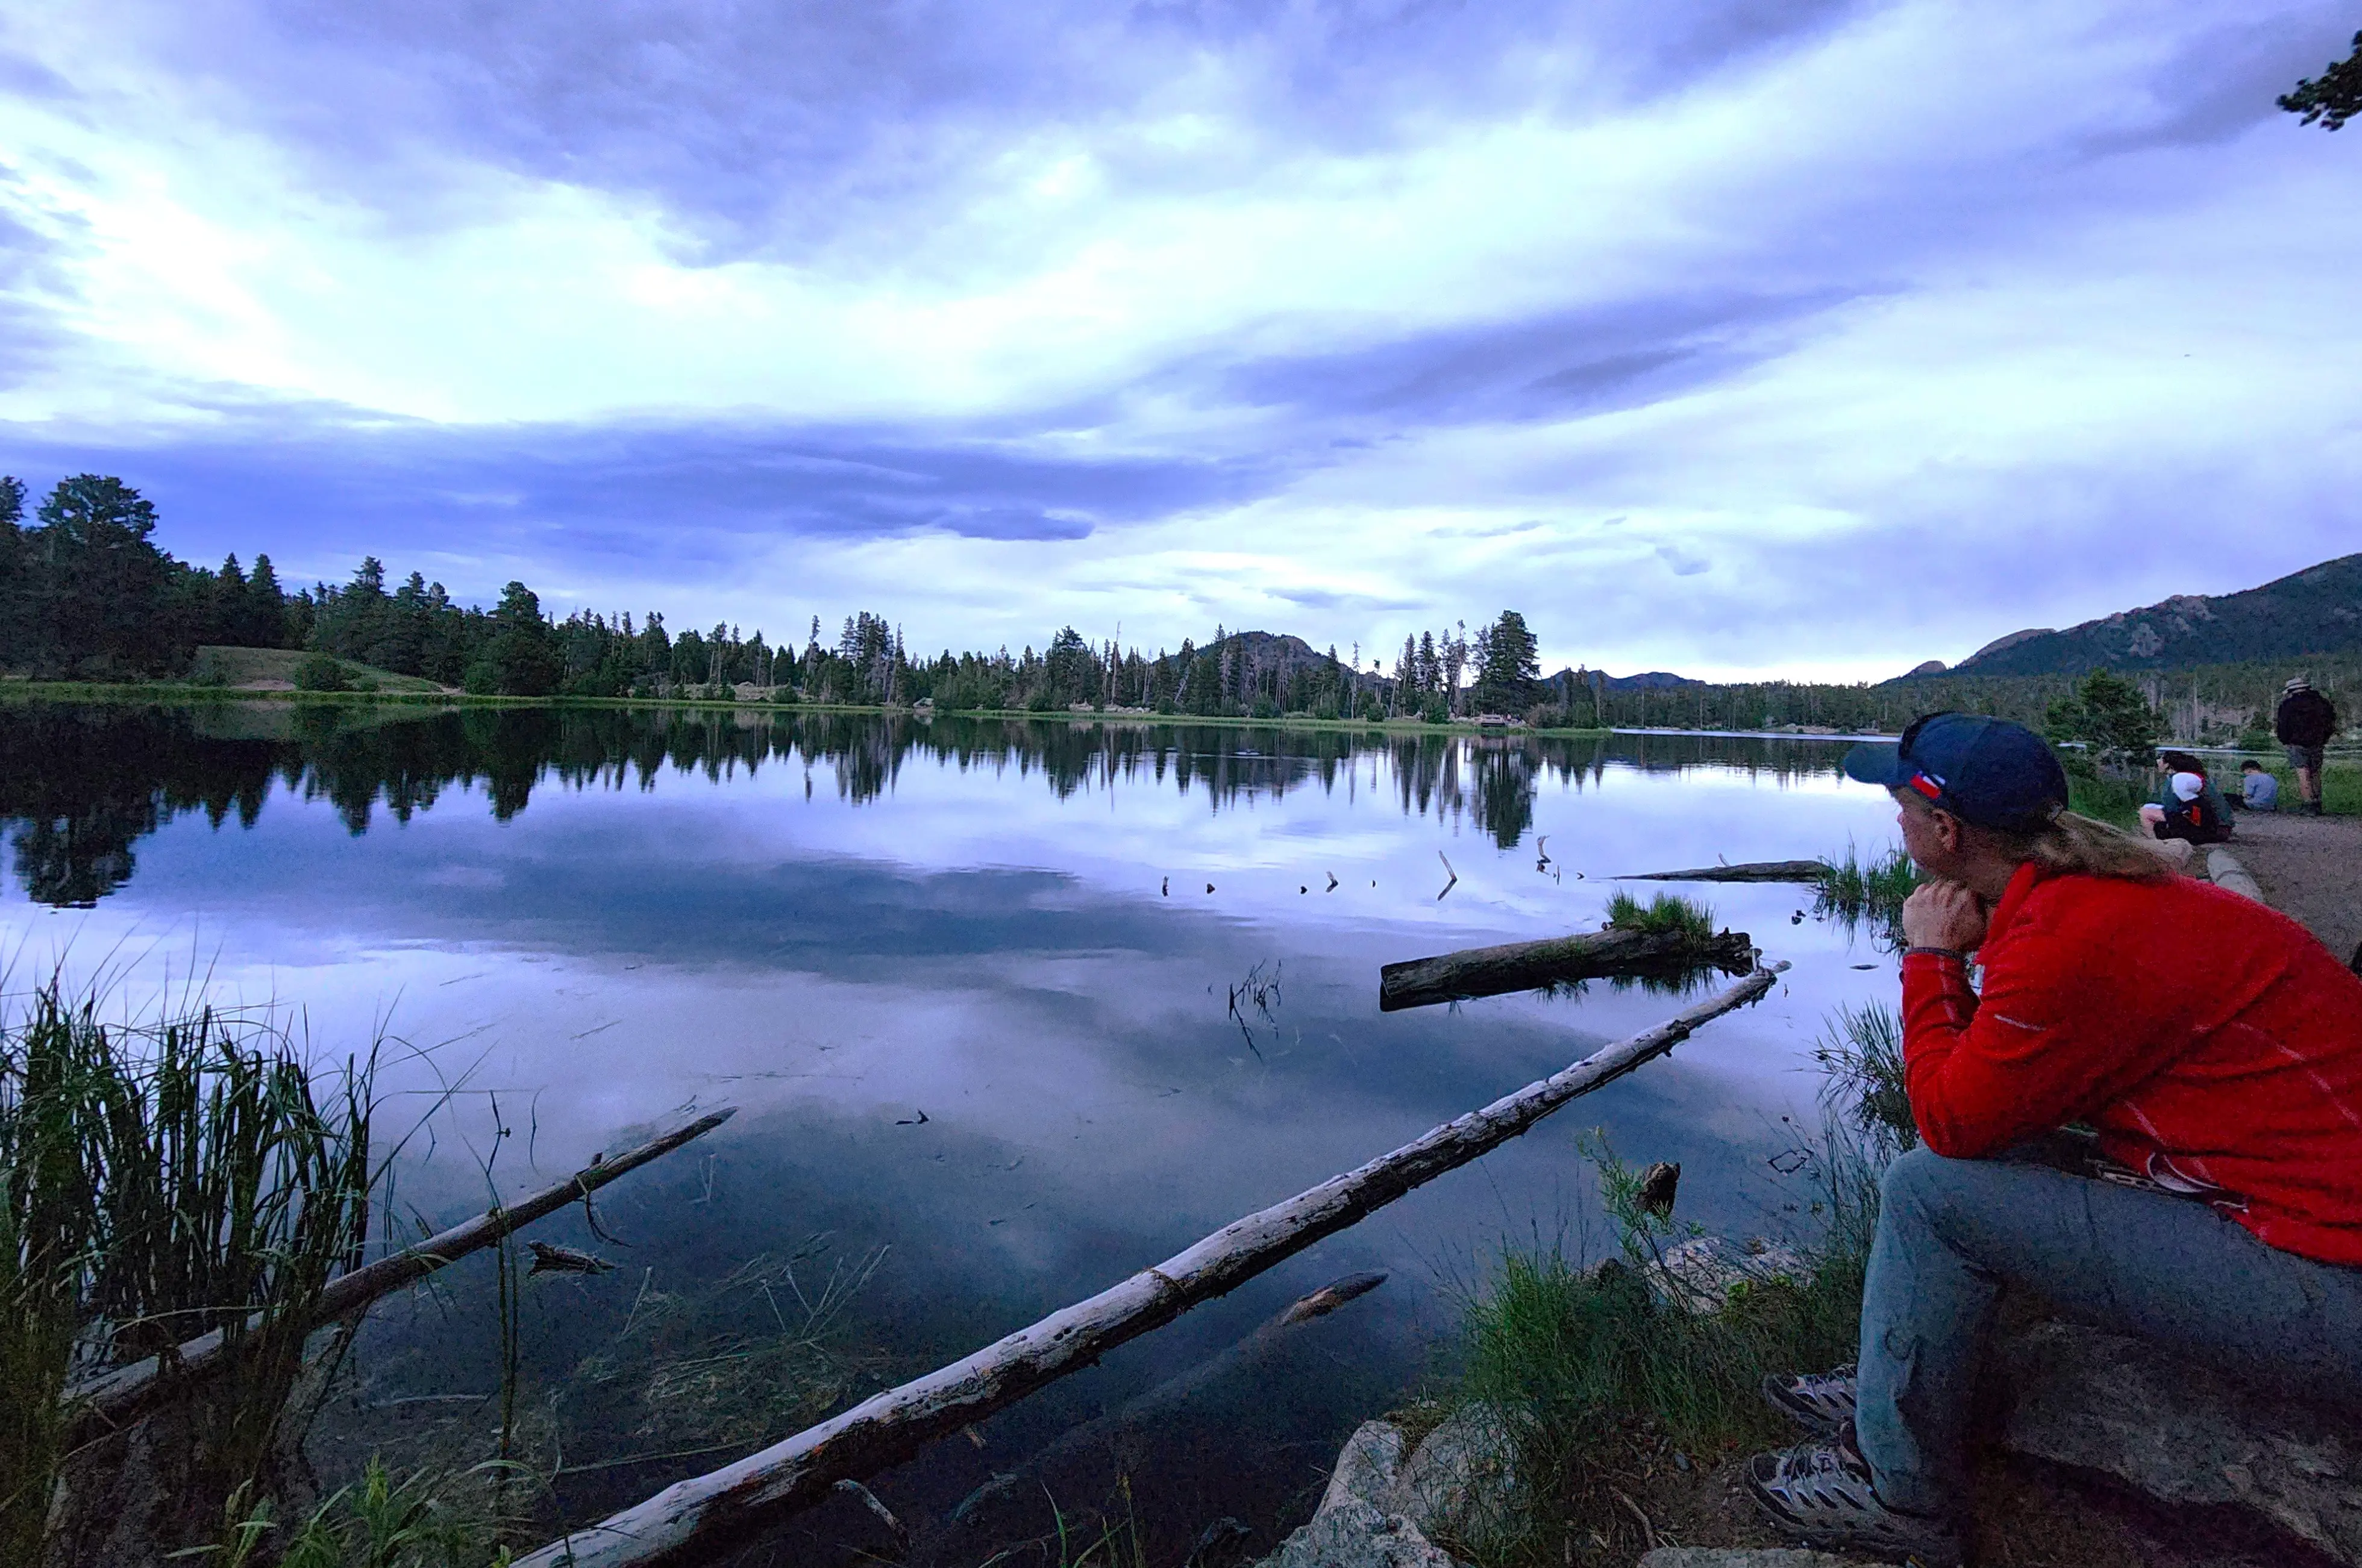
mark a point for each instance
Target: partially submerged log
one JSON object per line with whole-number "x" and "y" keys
{"x": 1746, "y": 870}
{"x": 114, "y": 1397}
{"x": 1557, "y": 961}
{"x": 1158, "y": 1404}
{"x": 691, "y": 1519}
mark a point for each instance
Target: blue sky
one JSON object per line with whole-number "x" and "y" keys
{"x": 1737, "y": 337}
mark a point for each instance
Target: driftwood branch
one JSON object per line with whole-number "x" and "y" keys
{"x": 1528, "y": 966}
{"x": 1746, "y": 871}
{"x": 691, "y": 1519}
{"x": 119, "y": 1395}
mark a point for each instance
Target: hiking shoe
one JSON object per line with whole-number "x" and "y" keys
{"x": 1820, "y": 1494}
{"x": 1820, "y": 1402}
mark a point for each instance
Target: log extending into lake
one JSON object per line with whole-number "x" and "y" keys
{"x": 1746, "y": 870}
{"x": 693, "y": 1519}
{"x": 1558, "y": 960}
{"x": 120, "y": 1395}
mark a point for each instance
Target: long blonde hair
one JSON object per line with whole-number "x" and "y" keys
{"x": 2071, "y": 843}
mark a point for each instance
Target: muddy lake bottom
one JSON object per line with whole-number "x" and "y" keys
{"x": 973, "y": 986}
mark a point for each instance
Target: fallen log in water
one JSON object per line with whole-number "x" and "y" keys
{"x": 114, "y": 1397}
{"x": 1528, "y": 966}
{"x": 1746, "y": 870}
{"x": 1159, "y": 1403}
{"x": 691, "y": 1519}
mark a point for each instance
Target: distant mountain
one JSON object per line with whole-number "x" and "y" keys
{"x": 2317, "y": 610}
{"x": 1652, "y": 680}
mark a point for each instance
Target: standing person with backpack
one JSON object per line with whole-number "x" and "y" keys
{"x": 2305, "y": 721}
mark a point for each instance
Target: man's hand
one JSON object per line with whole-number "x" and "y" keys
{"x": 1944, "y": 914}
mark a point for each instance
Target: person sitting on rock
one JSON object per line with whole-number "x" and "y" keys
{"x": 2259, "y": 790}
{"x": 2214, "y": 1044}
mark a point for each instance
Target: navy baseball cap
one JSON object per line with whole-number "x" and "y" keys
{"x": 1986, "y": 771}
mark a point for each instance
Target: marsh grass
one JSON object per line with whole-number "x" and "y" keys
{"x": 424, "y": 1519}
{"x": 1859, "y": 890}
{"x": 1602, "y": 1373}
{"x": 162, "y": 1179}
{"x": 1861, "y": 1050}
{"x": 1666, "y": 915}
{"x": 1111, "y": 1540}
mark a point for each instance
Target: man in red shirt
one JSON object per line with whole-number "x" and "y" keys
{"x": 2214, "y": 1046}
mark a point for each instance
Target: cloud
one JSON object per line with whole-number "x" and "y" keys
{"x": 793, "y": 128}
{"x": 1670, "y": 326}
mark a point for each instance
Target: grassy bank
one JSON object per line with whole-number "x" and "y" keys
{"x": 434, "y": 697}
{"x": 1609, "y": 1374}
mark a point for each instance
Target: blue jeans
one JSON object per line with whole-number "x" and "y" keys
{"x": 1951, "y": 1231}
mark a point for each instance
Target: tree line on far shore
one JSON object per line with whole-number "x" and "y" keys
{"x": 86, "y": 594}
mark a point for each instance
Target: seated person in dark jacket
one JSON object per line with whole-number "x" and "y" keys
{"x": 2187, "y": 813}
{"x": 2183, "y": 762}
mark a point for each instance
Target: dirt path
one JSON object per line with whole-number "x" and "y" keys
{"x": 2309, "y": 868}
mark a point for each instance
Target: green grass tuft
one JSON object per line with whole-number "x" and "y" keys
{"x": 1668, "y": 914}
{"x": 1601, "y": 1374}
{"x": 1862, "y": 1053}
{"x": 1856, "y": 889}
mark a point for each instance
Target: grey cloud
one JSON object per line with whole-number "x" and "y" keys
{"x": 794, "y": 128}
{"x": 1324, "y": 598}
{"x": 1682, "y": 563}
{"x": 1554, "y": 366}
{"x": 2220, "y": 80}
{"x": 28, "y": 78}
{"x": 312, "y": 480}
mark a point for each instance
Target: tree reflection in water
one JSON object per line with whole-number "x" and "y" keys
{"x": 80, "y": 786}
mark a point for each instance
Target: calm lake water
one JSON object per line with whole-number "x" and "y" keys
{"x": 970, "y": 989}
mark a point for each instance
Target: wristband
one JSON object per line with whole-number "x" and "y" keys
{"x": 1936, "y": 953}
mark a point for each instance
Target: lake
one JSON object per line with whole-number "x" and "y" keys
{"x": 970, "y": 985}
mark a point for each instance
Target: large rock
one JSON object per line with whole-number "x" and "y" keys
{"x": 1705, "y": 1271}
{"x": 1353, "y": 1534}
{"x": 1384, "y": 1508}
{"x": 1461, "y": 1484}
{"x": 2183, "y": 1431}
{"x": 1742, "y": 1557}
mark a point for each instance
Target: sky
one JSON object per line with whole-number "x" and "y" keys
{"x": 1736, "y": 337}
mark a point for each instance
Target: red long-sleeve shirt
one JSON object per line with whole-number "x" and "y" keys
{"x": 2214, "y": 1044}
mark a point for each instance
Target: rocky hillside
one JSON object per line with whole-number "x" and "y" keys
{"x": 2317, "y": 610}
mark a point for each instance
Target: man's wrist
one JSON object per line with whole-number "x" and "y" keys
{"x": 1922, "y": 950}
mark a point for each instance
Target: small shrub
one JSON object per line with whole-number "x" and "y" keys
{"x": 322, "y": 672}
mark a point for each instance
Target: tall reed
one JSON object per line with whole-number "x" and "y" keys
{"x": 161, "y": 1178}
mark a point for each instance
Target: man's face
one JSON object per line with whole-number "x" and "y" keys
{"x": 1931, "y": 837}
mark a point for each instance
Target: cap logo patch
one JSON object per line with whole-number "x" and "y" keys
{"x": 1927, "y": 786}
